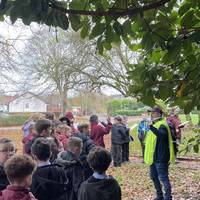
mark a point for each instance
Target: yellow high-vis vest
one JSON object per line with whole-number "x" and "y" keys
{"x": 150, "y": 143}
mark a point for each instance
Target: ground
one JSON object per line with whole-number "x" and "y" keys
{"x": 134, "y": 179}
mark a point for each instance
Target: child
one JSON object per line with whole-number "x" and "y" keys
{"x": 118, "y": 138}
{"x": 62, "y": 133}
{"x": 7, "y": 150}
{"x": 70, "y": 161}
{"x": 19, "y": 171}
{"x": 49, "y": 181}
{"x": 99, "y": 186}
{"x": 43, "y": 128}
{"x": 30, "y": 136}
{"x": 88, "y": 144}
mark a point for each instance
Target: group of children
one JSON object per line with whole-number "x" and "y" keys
{"x": 63, "y": 163}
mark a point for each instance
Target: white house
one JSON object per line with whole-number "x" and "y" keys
{"x": 28, "y": 102}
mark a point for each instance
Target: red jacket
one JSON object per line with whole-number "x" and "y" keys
{"x": 16, "y": 193}
{"x": 98, "y": 131}
{"x": 174, "y": 119}
{"x": 27, "y": 139}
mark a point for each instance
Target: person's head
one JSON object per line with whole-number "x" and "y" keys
{"x": 49, "y": 116}
{"x": 70, "y": 116}
{"x": 54, "y": 146}
{"x": 43, "y": 127}
{"x": 175, "y": 111}
{"x": 41, "y": 149}
{"x": 93, "y": 118}
{"x": 63, "y": 129}
{"x": 75, "y": 145}
{"x": 99, "y": 159}
{"x": 65, "y": 120}
{"x": 118, "y": 120}
{"x": 7, "y": 150}
{"x": 83, "y": 128}
{"x": 35, "y": 117}
{"x": 19, "y": 170}
{"x": 156, "y": 112}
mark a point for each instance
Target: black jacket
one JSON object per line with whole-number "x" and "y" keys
{"x": 3, "y": 179}
{"x": 73, "y": 170}
{"x": 88, "y": 144}
{"x": 119, "y": 134}
{"x": 162, "y": 151}
{"x": 49, "y": 183}
{"x": 96, "y": 189}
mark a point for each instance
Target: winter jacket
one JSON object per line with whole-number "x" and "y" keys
{"x": 16, "y": 193}
{"x": 98, "y": 131}
{"x": 96, "y": 189}
{"x": 73, "y": 170}
{"x": 119, "y": 134}
{"x": 3, "y": 179}
{"x": 49, "y": 183}
{"x": 28, "y": 145}
{"x": 26, "y": 140}
{"x": 88, "y": 144}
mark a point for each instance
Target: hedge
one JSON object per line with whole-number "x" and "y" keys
{"x": 13, "y": 120}
{"x": 129, "y": 112}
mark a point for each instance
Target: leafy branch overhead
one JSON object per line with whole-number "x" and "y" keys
{"x": 165, "y": 33}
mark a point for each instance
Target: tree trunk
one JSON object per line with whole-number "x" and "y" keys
{"x": 63, "y": 102}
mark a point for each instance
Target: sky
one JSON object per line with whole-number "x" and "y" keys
{"x": 19, "y": 33}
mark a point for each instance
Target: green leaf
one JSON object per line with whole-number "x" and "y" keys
{"x": 75, "y": 22}
{"x": 184, "y": 8}
{"x": 97, "y": 30}
{"x": 196, "y": 148}
{"x": 117, "y": 28}
{"x": 186, "y": 19}
{"x": 85, "y": 31}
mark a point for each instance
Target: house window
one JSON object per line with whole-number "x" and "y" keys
{"x": 27, "y": 105}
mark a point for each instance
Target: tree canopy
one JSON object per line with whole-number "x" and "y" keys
{"x": 166, "y": 33}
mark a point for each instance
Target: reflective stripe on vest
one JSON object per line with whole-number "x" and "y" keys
{"x": 150, "y": 143}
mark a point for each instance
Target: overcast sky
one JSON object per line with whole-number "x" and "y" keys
{"x": 22, "y": 33}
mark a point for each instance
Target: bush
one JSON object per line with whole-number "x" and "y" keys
{"x": 129, "y": 112}
{"x": 13, "y": 120}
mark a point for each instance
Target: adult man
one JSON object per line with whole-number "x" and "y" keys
{"x": 159, "y": 153}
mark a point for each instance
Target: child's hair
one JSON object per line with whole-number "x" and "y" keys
{"x": 41, "y": 148}
{"x": 19, "y": 167}
{"x": 99, "y": 159}
{"x": 118, "y": 118}
{"x": 82, "y": 126}
{"x": 5, "y": 140}
{"x": 41, "y": 125}
{"x": 74, "y": 142}
{"x": 49, "y": 115}
{"x": 93, "y": 118}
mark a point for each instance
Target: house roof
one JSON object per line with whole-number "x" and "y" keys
{"x": 5, "y": 100}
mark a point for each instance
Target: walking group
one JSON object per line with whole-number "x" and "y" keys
{"x": 64, "y": 162}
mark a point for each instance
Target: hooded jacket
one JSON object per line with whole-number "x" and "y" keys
{"x": 50, "y": 183}
{"x": 120, "y": 134}
{"x": 3, "y": 179}
{"x": 16, "y": 193}
{"x": 106, "y": 189}
{"x": 73, "y": 170}
{"x": 88, "y": 144}
{"x": 98, "y": 131}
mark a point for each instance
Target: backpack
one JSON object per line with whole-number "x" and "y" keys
{"x": 142, "y": 129}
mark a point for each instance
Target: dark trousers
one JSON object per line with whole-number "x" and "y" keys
{"x": 159, "y": 174}
{"x": 116, "y": 151}
{"x": 125, "y": 152}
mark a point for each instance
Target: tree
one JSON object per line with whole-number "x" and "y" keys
{"x": 165, "y": 32}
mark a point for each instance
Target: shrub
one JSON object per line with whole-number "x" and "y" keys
{"x": 13, "y": 120}
{"x": 129, "y": 112}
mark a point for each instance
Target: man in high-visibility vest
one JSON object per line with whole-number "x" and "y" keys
{"x": 159, "y": 153}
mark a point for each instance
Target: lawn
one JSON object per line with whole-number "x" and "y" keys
{"x": 134, "y": 179}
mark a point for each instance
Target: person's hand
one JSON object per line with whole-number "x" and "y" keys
{"x": 108, "y": 119}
